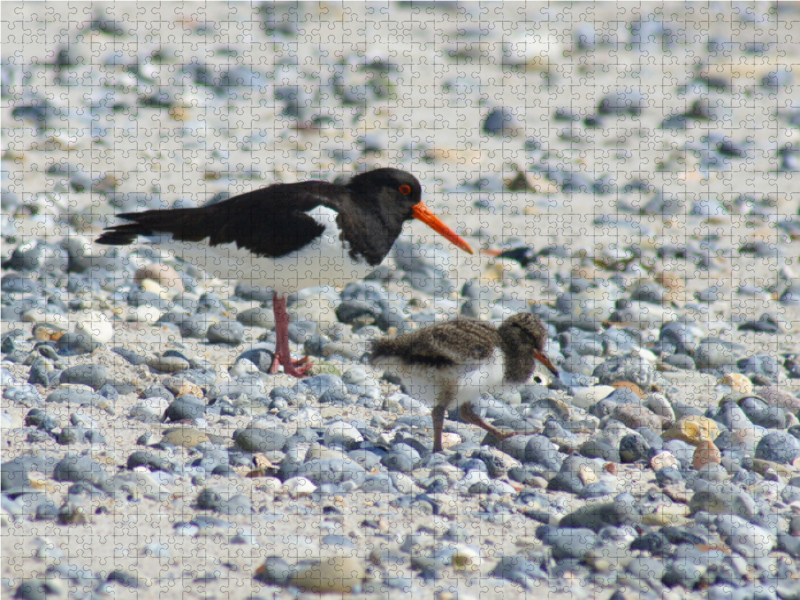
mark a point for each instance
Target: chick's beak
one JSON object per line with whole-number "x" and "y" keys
{"x": 542, "y": 358}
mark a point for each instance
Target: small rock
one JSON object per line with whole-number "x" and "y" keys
{"x": 257, "y": 439}
{"x": 184, "y": 407}
{"x": 705, "y": 454}
{"x": 778, "y": 446}
{"x": 96, "y": 326}
{"x": 226, "y": 332}
{"x": 186, "y": 437}
{"x": 638, "y": 416}
{"x": 93, "y": 376}
{"x": 168, "y": 364}
{"x": 163, "y": 274}
{"x": 338, "y": 574}
{"x": 257, "y": 317}
{"x": 343, "y": 434}
{"x": 692, "y": 429}
{"x": 737, "y": 382}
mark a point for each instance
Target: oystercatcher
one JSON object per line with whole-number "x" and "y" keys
{"x": 457, "y": 360}
{"x": 290, "y": 236}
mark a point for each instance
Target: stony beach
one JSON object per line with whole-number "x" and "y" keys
{"x": 648, "y": 158}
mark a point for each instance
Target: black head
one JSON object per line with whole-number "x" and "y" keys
{"x": 525, "y": 335}
{"x": 396, "y": 190}
{"x": 396, "y": 196}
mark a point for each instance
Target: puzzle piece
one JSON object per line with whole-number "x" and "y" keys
{"x": 269, "y": 378}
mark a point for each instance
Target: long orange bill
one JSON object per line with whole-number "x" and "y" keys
{"x": 424, "y": 214}
{"x": 542, "y": 358}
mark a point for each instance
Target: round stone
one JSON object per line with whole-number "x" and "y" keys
{"x": 257, "y": 317}
{"x": 160, "y": 273}
{"x": 77, "y": 396}
{"x": 257, "y": 439}
{"x": 226, "y": 332}
{"x": 338, "y": 574}
{"x": 778, "y": 446}
{"x": 96, "y": 326}
{"x": 705, "y": 454}
{"x": 186, "y": 437}
{"x": 92, "y": 375}
{"x": 74, "y": 467}
{"x": 275, "y": 570}
{"x": 342, "y": 433}
{"x": 692, "y": 429}
{"x": 632, "y": 447}
{"x": 184, "y": 407}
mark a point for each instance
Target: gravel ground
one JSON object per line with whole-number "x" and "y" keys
{"x": 645, "y": 158}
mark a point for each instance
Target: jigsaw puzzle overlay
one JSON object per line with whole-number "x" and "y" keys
{"x": 457, "y": 300}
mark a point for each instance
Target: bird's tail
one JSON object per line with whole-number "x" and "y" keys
{"x": 180, "y": 222}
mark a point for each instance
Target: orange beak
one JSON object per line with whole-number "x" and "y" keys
{"x": 424, "y": 214}
{"x": 542, "y": 358}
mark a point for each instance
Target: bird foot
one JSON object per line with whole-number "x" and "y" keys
{"x": 295, "y": 368}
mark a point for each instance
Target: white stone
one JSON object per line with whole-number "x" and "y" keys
{"x": 143, "y": 314}
{"x": 342, "y": 433}
{"x": 403, "y": 482}
{"x": 471, "y": 479}
{"x": 298, "y": 486}
{"x": 587, "y": 396}
{"x": 37, "y": 315}
{"x": 149, "y": 408}
{"x": 309, "y": 416}
{"x": 10, "y": 421}
{"x": 96, "y": 325}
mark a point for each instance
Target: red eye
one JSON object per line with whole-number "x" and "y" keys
{"x": 405, "y": 190}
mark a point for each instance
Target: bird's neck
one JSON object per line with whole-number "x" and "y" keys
{"x": 369, "y": 235}
{"x": 517, "y": 365}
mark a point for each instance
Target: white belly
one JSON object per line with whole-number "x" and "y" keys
{"x": 324, "y": 262}
{"x": 469, "y": 381}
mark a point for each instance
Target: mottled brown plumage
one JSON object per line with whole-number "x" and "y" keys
{"x": 453, "y": 360}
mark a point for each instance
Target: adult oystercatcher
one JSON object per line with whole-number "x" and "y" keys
{"x": 458, "y": 360}
{"x": 290, "y": 236}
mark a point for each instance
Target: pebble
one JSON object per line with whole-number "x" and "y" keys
{"x": 257, "y": 317}
{"x": 778, "y": 446}
{"x": 257, "y": 439}
{"x": 162, "y": 274}
{"x": 705, "y": 454}
{"x": 93, "y": 376}
{"x": 96, "y": 326}
{"x": 168, "y": 364}
{"x": 226, "y": 332}
{"x": 329, "y": 574}
{"x": 185, "y": 406}
{"x": 187, "y": 437}
{"x": 692, "y": 429}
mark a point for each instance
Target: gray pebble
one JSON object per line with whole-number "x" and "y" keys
{"x": 226, "y": 332}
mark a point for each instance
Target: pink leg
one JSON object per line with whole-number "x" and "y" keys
{"x": 282, "y": 354}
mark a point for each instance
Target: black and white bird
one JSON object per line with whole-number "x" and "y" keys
{"x": 454, "y": 362}
{"x": 290, "y": 236}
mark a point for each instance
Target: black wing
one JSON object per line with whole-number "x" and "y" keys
{"x": 270, "y": 222}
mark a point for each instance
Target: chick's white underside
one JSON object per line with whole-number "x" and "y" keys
{"x": 468, "y": 380}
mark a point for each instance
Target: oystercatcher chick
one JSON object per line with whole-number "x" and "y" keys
{"x": 290, "y": 236}
{"x": 458, "y": 360}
